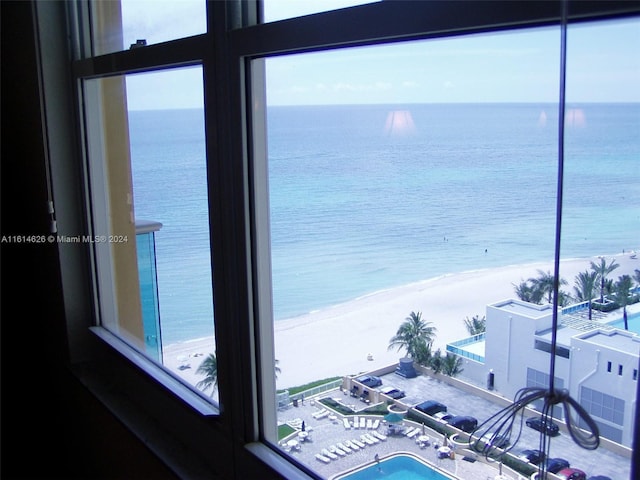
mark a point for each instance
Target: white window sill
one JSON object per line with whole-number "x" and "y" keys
{"x": 157, "y": 373}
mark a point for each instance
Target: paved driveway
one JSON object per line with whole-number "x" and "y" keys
{"x": 423, "y": 387}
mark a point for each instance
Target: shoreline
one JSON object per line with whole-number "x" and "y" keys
{"x": 340, "y": 339}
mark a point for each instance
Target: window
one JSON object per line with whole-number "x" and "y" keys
{"x": 147, "y": 172}
{"x": 301, "y": 180}
{"x": 283, "y": 9}
{"x": 384, "y": 172}
{"x": 609, "y": 367}
{"x": 129, "y": 24}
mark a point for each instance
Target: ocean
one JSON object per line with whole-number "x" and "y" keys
{"x": 369, "y": 197}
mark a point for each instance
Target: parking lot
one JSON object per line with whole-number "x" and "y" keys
{"x": 424, "y": 387}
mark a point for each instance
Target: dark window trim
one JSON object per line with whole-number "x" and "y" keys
{"x": 402, "y": 20}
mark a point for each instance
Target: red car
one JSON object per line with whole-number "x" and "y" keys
{"x": 572, "y": 474}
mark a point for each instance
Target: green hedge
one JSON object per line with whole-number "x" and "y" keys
{"x": 378, "y": 409}
{"x": 308, "y": 386}
{"x": 284, "y": 431}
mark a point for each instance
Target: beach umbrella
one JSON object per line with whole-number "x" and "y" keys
{"x": 393, "y": 417}
{"x": 303, "y": 426}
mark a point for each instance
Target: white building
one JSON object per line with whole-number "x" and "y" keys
{"x": 597, "y": 363}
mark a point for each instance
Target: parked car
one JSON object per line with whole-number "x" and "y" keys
{"x": 431, "y": 407}
{"x": 369, "y": 380}
{"x": 554, "y": 465}
{"x": 532, "y": 456}
{"x": 392, "y": 392}
{"x": 464, "y": 422}
{"x": 547, "y": 426}
{"x": 443, "y": 416}
{"x": 572, "y": 474}
{"x": 500, "y": 441}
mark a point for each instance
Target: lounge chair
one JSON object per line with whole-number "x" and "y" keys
{"x": 413, "y": 432}
{"x": 366, "y": 440}
{"x": 358, "y": 443}
{"x": 345, "y": 422}
{"x": 379, "y": 435}
{"x": 372, "y": 438}
{"x": 329, "y": 454}
{"x": 317, "y": 413}
{"x": 334, "y": 449}
{"x": 356, "y": 422}
{"x": 322, "y": 414}
{"x": 363, "y": 422}
{"x": 343, "y": 447}
{"x": 351, "y": 445}
{"x": 376, "y": 424}
{"x": 322, "y": 458}
{"x": 369, "y": 423}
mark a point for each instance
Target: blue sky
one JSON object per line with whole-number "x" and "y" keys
{"x": 603, "y": 66}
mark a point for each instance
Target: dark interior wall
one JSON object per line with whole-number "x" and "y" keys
{"x": 52, "y": 427}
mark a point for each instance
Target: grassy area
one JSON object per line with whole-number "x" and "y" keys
{"x": 285, "y": 430}
{"x": 301, "y": 388}
{"x": 378, "y": 409}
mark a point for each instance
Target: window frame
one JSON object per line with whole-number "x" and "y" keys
{"x": 369, "y": 24}
{"x": 234, "y": 131}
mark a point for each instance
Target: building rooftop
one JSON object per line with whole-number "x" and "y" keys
{"x": 524, "y": 308}
{"x": 627, "y": 342}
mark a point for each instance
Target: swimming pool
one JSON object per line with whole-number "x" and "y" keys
{"x": 397, "y": 467}
{"x": 632, "y": 319}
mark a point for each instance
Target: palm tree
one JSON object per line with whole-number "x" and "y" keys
{"x": 585, "y": 286}
{"x": 436, "y": 362}
{"x": 208, "y": 368}
{"x": 414, "y": 334}
{"x": 544, "y": 284}
{"x": 602, "y": 269}
{"x": 423, "y": 354}
{"x": 525, "y": 292}
{"x": 622, "y": 289}
{"x": 452, "y": 365}
{"x": 475, "y": 325}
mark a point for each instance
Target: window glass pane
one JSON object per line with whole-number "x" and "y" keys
{"x": 410, "y": 180}
{"x": 283, "y": 9}
{"x": 149, "y": 184}
{"x": 601, "y": 227}
{"x": 124, "y": 24}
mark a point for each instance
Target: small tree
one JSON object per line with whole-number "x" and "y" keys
{"x": 475, "y": 325}
{"x": 525, "y": 292}
{"x": 452, "y": 365}
{"x": 423, "y": 354}
{"x": 544, "y": 284}
{"x": 602, "y": 270}
{"x": 208, "y": 368}
{"x": 585, "y": 287}
{"x": 622, "y": 290}
{"x": 436, "y": 362}
{"x": 413, "y": 334}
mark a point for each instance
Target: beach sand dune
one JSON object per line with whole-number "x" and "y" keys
{"x": 353, "y": 337}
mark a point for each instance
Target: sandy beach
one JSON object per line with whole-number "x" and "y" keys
{"x": 353, "y": 337}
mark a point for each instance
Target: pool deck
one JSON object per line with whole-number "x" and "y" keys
{"x": 330, "y": 430}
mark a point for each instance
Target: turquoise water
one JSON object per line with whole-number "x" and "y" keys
{"x": 354, "y": 210}
{"x": 400, "y": 467}
{"x": 633, "y": 322}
